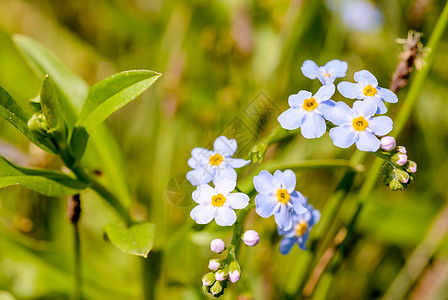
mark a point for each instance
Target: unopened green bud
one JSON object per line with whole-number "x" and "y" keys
{"x": 258, "y": 152}
{"x": 216, "y": 288}
{"x": 401, "y": 175}
{"x": 206, "y": 289}
{"x": 35, "y": 104}
{"x": 38, "y": 123}
{"x": 208, "y": 279}
{"x": 234, "y": 266}
{"x": 396, "y": 185}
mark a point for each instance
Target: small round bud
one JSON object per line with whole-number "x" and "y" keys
{"x": 38, "y": 123}
{"x": 411, "y": 166}
{"x": 251, "y": 238}
{"x": 214, "y": 264}
{"x": 208, "y": 279}
{"x": 216, "y": 288}
{"x": 221, "y": 275}
{"x": 217, "y": 245}
{"x": 401, "y": 149}
{"x": 388, "y": 143}
{"x": 402, "y": 176}
{"x": 399, "y": 159}
{"x": 234, "y": 271}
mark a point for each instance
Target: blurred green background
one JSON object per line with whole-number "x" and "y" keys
{"x": 222, "y": 62}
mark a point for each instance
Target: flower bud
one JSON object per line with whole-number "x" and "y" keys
{"x": 214, "y": 264}
{"x": 258, "y": 152}
{"x": 251, "y": 238}
{"x": 38, "y": 123}
{"x": 234, "y": 271}
{"x": 206, "y": 289}
{"x": 221, "y": 275}
{"x": 396, "y": 185}
{"x": 411, "y": 166}
{"x": 216, "y": 288}
{"x": 208, "y": 279}
{"x": 402, "y": 176}
{"x": 388, "y": 143}
{"x": 217, "y": 245}
{"x": 399, "y": 159}
{"x": 401, "y": 149}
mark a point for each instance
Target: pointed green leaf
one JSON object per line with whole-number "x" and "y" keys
{"x": 136, "y": 240}
{"x": 111, "y": 94}
{"x": 103, "y": 152}
{"x": 49, "y": 183}
{"x": 19, "y": 117}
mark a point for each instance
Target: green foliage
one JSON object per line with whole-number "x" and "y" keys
{"x": 49, "y": 183}
{"x": 137, "y": 239}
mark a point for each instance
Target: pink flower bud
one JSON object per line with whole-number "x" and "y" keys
{"x": 412, "y": 166}
{"x": 234, "y": 276}
{"x": 251, "y": 238}
{"x": 214, "y": 264}
{"x": 387, "y": 143}
{"x": 221, "y": 275}
{"x": 402, "y": 149}
{"x": 217, "y": 245}
{"x": 402, "y": 159}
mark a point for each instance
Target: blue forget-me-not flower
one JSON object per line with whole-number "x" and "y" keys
{"x": 308, "y": 112}
{"x": 218, "y": 203}
{"x": 357, "y": 126}
{"x": 326, "y": 74}
{"x": 212, "y": 165}
{"x": 300, "y": 231}
{"x": 366, "y": 88}
{"x": 277, "y": 197}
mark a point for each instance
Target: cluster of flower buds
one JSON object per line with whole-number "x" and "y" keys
{"x": 228, "y": 269}
{"x": 397, "y": 172}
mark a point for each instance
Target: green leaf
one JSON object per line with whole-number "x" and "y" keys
{"x": 49, "y": 183}
{"x": 111, "y": 94}
{"x": 19, "y": 117}
{"x": 103, "y": 152}
{"x": 53, "y": 111}
{"x": 136, "y": 240}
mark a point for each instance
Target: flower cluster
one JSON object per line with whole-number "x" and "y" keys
{"x": 277, "y": 196}
{"x": 357, "y": 125}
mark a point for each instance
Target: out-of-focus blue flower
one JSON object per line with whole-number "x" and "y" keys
{"x": 361, "y": 15}
{"x": 300, "y": 231}
{"x": 366, "y": 88}
{"x": 218, "y": 203}
{"x": 326, "y": 74}
{"x": 212, "y": 165}
{"x": 357, "y": 126}
{"x": 308, "y": 112}
{"x": 277, "y": 197}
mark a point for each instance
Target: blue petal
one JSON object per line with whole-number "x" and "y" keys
{"x": 387, "y": 95}
{"x": 203, "y": 194}
{"x": 326, "y": 107}
{"x": 199, "y": 176}
{"x": 225, "y": 185}
{"x": 366, "y": 78}
{"x": 367, "y": 141}
{"x": 203, "y": 214}
{"x": 286, "y": 245}
{"x": 291, "y": 118}
{"x": 225, "y": 146}
{"x": 298, "y": 202}
{"x": 237, "y": 200}
{"x": 237, "y": 162}
{"x": 265, "y": 205}
{"x": 365, "y": 108}
{"x": 283, "y": 218}
{"x": 265, "y": 183}
{"x": 296, "y": 100}
{"x": 287, "y": 179}
{"x": 310, "y": 69}
{"x": 344, "y": 136}
{"x": 199, "y": 157}
{"x": 350, "y": 90}
{"x": 381, "y": 125}
{"x": 224, "y": 173}
{"x": 225, "y": 216}
{"x": 313, "y": 126}
{"x": 340, "y": 114}
{"x": 325, "y": 92}
{"x": 336, "y": 67}
{"x": 316, "y": 217}
{"x": 301, "y": 242}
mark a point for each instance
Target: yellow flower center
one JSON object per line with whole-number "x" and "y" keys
{"x": 360, "y": 123}
{"x": 282, "y": 196}
{"x": 310, "y": 104}
{"x": 369, "y": 90}
{"x": 301, "y": 228}
{"x": 216, "y": 160}
{"x": 218, "y": 200}
{"x": 326, "y": 75}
